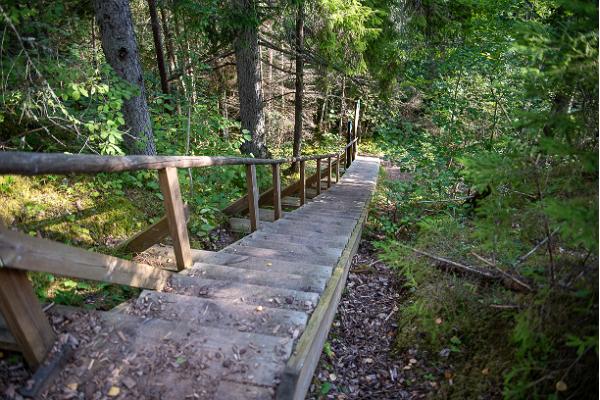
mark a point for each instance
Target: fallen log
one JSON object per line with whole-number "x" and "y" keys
{"x": 478, "y": 272}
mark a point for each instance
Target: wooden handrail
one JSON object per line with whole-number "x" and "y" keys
{"x": 30, "y": 163}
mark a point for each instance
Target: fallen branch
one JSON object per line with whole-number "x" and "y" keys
{"x": 508, "y": 276}
{"x": 524, "y": 257}
{"x": 489, "y": 275}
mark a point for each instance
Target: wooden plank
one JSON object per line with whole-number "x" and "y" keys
{"x": 337, "y": 169}
{"x": 279, "y": 254}
{"x": 243, "y": 293}
{"x": 328, "y": 172}
{"x": 314, "y": 248}
{"x": 302, "y": 183}
{"x": 169, "y": 186}
{"x": 300, "y": 368}
{"x": 7, "y": 341}
{"x": 223, "y": 314}
{"x": 24, "y": 316}
{"x": 151, "y": 235}
{"x": 27, "y": 253}
{"x": 318, "y": 182}
{"x": 246, "y": 262}
{"x": 30, "y": 163}
{"x": 252, "y": 187}
{"x": 276, "y": 170}
{"x": 267, "y": 276}
{"x": 242, "y": 225}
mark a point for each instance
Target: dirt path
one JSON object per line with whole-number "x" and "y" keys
{"x": 359, "y": 361}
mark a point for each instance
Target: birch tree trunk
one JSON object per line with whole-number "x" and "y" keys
{"x": 249, "y": 82}
{"x": 120, "y": 48}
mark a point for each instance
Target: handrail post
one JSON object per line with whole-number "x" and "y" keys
{"x": 252, "y": 196}
{"x": 24, "y": 316}
{"x": 337, "y": 169}
{"x": 349, "y": 145}
{"x": 169, "y": 186}
{"x": 328, "y": 172}
{"x": 318, "y": 176}
{"x": 302, "y": 182}
{"x": 276, "y": 169}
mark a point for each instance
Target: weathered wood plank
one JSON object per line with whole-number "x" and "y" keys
{"x": 318, "y": 180}
{"x": 24, "y": 316}
{"x": 222, "y": 314}
{"x": 302, "y": 183}
{"x": 252, "y": 187}
{"x": 169, "y": 186}
{"x": 328, "y": 172}
{"x": 280, "y": 254}
{"x": 27, "y": 253}
{"x": 242, "y": 225}
{"x": 276, "y": 170}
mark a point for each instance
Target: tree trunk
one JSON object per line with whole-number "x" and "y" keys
{"x": 158, "y": 47}
{"x": 343, "y": 106}
{"x": 120, "y": 48}
{"x": 299, "y": 96}
{"x": 249, "y": 82}
{"x": 168, "y": 41}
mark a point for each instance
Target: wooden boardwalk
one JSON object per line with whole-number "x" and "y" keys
{"x": 247, "y": 322}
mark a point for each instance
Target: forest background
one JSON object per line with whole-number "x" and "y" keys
{"x": 488, "y": 108}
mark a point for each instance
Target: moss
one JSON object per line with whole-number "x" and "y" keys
{"x": 73, "y": 211}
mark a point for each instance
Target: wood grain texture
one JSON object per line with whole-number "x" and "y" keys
{"x": 169, "y": 185}
{"x": 276, "y": 171}
{"x": 252, "y": 188}
{"x": 24, "y": 316}
{"x": 318, "y": 180}
{"x": 302, "y": 183}
{"x": 21, "y": 251}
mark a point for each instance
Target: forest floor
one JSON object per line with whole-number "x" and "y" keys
{"x": 359, "y": 359}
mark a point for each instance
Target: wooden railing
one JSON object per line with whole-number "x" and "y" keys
{"x": 20, "y": 252}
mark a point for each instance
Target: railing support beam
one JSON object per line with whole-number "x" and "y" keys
{"x": 302, "y": 182}
{"x": 24, "y": 316}
{"x": 252, "y": 185}
{"x": 337, "y": 169}
{"x": 328, "y": 172}
{"x": 318, "y": 176}
{"x": 169, "y": 186}
{"x": 276, "y": 169}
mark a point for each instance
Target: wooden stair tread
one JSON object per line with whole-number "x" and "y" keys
{"x": 333, "y": 241}
{"x": 243, "y": 293}
{"x": 259, "y": 263}
{"x": 313, "y": 248}
{"x": 192, "y": 358}
{"x": 285, "y": 255}
{"x": 264, "y": 277}
{"x": 196, "y": 311}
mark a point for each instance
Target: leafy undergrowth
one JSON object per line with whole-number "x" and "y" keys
{"x": 478, "y": 338}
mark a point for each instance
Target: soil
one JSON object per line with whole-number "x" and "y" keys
{"x": 359, "y": 360}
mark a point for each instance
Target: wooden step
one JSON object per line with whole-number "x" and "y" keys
{"x": 267, "y": 214}
{"x": 261, "y": 264}
{"x": 242, "y": 293}
{"x": 319, "y": 219}
{"x": 309, "y": 249}
{"x": 280, "y": 255}
{"x": 242, "y": 225}
{"x": 222, "y": 314}
{"x": 331, "y": 241}
{"x": 266, "y": 277}
{"x": 155, "y": 358}
{"x": 310, "y": 229}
